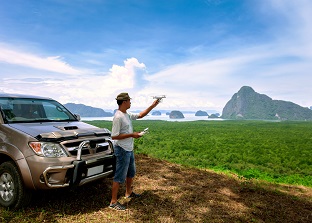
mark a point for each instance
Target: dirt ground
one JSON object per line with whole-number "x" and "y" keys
{"x": 172, "y": 193}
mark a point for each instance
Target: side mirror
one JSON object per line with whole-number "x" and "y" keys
{"x": 78, "y": 117}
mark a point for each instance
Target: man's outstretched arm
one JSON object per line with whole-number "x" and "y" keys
{"x": 146, "y": 111}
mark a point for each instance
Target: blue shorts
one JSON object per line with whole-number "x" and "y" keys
{"x": 125, "y": 164}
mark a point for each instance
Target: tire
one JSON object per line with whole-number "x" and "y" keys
{"x": 13, "y": 193}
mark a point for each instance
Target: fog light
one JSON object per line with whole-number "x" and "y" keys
{"x": 42, "y": 180}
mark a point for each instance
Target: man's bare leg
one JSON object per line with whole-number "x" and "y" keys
{"x": 128, "y": 186}
{"x": 115, "y": 189}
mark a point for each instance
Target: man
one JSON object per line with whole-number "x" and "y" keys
{"x": 122, "y": 133}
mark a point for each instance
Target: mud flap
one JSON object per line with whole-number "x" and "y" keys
{"x": 78, "y": 171}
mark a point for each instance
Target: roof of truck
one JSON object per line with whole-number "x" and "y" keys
{"x": 13, "y": 95}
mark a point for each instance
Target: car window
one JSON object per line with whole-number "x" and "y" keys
{"x": 32, "y": 110}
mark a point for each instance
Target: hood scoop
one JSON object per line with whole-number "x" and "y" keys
{"x": 66, "y": 127}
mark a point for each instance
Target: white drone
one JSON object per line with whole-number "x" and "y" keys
{"x": 159, "y": 97}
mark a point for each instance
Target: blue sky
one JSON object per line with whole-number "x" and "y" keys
{"x": 196, "y": 52}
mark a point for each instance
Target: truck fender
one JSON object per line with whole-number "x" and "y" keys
{"x": 18, "y": 158}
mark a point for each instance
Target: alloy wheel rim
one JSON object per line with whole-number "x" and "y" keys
{"x": 6, "y": 187}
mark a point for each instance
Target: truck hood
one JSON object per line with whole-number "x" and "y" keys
{"x": 54, "y": 131}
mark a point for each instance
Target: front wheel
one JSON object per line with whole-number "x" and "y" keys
{"x": 13, "y": 193}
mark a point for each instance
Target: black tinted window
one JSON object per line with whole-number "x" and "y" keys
{"x": 30, "y": 110}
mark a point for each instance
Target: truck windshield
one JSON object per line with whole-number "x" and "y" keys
{"x": 15, "y": 110}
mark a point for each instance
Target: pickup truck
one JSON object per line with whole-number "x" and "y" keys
{"x": 44, "y": 146}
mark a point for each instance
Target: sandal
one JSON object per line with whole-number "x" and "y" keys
{"x": 117, "y": 206}
{"x": 133, "y": 195}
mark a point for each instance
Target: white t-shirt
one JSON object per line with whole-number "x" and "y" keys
{"x": 122, "y": 124}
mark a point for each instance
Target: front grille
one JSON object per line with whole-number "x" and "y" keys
{"x": 94, "y": 147}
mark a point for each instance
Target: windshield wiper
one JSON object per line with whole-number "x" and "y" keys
{"x": 40, "y": 120}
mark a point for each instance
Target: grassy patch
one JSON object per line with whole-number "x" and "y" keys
{"x": 278, "y": 152}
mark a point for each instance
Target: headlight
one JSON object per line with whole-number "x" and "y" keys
{"x": 47, "y": 149}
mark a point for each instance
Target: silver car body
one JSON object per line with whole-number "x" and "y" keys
{"x": 54, "y": 149}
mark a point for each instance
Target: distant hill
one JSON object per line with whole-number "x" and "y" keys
{"x": 248, "y": 104}
{"x": 176, "y": 115}
{"x": 201, "y": 113}
{"x": 156, "y": 113}
{"x": 214, "y": 115}
{"x": 87, "y": 111}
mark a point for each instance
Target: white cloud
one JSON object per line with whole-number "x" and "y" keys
{"x": 123, "y": 77}
{"x": 294, "y": 23}
{"x": 273, "y": 69}
{"x": 97, "y": 91}
{"x": 52, "y": 63}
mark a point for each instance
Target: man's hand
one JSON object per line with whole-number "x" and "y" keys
{"x": 155, "y": 103}
{"x": 136, "y": 135}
